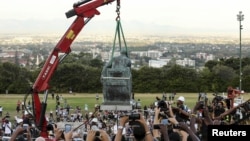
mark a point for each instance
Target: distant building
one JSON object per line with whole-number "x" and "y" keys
{"x": 205, "y": 56}
{"x": 210, "y": 57}
{"x": 105, "y": 56}
{"x": 140, "y": 53}
{"x": 156, "y": 63}
{"x": 186, "y": 62}
{"x": 154, "y": 54}
{"x": 201, "y": 55}
{"x": 165, "y": 59}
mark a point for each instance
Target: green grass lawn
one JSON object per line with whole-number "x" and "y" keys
{"x": 9, "y": 102}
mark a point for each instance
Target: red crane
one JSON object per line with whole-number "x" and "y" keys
{"x": 84, "y": 11}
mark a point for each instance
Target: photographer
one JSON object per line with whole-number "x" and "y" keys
{"x": 141, "y": 130}
{"x": 166, "y": 124}
{"x": 181, "y": 130}
{"x": 162, "y": 133}
{"x": 202, "y": 117}
{"x": 8, "y": 128}
{"x": 181, "y": 111}
{"x": 163, "y": 114}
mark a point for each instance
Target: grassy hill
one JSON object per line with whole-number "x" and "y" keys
{"x": 9, "y": 102}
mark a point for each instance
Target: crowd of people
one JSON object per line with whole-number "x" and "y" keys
{"x": 163, "y": 120}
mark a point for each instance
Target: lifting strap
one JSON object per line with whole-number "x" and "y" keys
{"x": 119, "y": 32}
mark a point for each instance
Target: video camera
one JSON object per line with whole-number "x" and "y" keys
{"x": 134, "y": 116}
{"x": 163, "y": 107}
{"x": 111, "y": 115}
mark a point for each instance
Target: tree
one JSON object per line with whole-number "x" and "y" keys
{"x": 96, "y": 63}
{"x": 223, "y": 77}
{"x": 16, "y": 58}
{"x": 147, "y": 80}
{"x": 210, "y": 64}
{"x": 233, "y": 63}
{"x": 13, "y": 78}
{"x": 246, "y": 78}
{"x": 204, "y": 82}
{"x": 81, "y": 78}
{"x": 181, "y": 79}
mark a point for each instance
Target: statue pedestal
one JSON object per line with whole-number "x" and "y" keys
{"x": 116, "y": 107}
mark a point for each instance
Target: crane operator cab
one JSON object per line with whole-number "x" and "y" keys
{"x": 117, "y": 83}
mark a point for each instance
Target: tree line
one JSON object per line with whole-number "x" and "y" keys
{"x": 81, "y": 74}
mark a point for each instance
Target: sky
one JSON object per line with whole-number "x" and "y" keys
{"x": 170, "y": 17}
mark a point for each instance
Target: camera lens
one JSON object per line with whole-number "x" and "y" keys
{"x": 97, "y": 133}
{"x": 134, "y": 116}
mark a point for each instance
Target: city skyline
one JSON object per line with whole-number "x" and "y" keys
{"x": 160, "y": 17}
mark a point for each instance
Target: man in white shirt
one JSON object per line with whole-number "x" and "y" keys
{"x": 8, "y": 128}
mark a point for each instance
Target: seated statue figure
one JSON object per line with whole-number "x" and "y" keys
{"x": 116, "y": 79}
{"x": 121, "y": 61}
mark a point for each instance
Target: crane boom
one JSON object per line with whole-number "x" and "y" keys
{"x": 84, "y": 10}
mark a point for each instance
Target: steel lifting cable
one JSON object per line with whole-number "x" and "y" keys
{"x": 119, "y": 31}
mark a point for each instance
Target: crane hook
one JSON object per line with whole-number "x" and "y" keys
{"x": 118, "y": 10}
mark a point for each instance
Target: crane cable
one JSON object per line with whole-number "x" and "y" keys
{"x": 119, "y": 31}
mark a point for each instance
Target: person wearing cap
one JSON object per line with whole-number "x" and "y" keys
{"x": 180, "y": 117}
{"x": 19, "y": 121}
{"x": 180, "y": 102}
{"x": 20, "y": 132}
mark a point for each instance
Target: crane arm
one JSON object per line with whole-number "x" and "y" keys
{"x": 84, "y": 10}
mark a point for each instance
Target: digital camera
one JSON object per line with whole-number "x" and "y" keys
{"x": 162, "y": 104}
{"x": 134, "y": 116}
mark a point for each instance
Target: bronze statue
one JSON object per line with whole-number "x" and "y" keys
{"x": 117, "y": 80}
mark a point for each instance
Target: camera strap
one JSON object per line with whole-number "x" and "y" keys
{"x": 8, "y": 126}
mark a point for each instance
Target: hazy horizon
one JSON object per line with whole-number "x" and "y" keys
{"x": 159, "y": 17}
